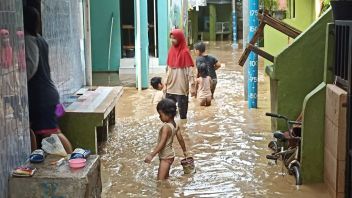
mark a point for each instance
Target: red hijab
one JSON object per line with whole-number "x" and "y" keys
{"x": 179, "y": 56}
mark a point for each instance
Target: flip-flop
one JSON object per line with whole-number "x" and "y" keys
{"x": 37, "y": 156}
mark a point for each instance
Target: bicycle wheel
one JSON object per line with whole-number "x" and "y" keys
{"x": 296, "y": 170}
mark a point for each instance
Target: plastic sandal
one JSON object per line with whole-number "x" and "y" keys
{"x": 37, "y": 156}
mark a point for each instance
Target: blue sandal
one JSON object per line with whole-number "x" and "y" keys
{"x": 37, "y": 156}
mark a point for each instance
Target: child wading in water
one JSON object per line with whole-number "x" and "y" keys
{"x": 204, "y": 84}
{"x": 167, "y": 112}
{"x": 211, "y": 62}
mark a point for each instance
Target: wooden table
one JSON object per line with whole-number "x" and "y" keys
{"x": 87, "y": 119}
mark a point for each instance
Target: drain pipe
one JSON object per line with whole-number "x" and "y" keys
{"x": 138, "y": 44}
{"x": 234, "y": 25}
{"x": 245, "y": 16}
{"x": 110, "y": 41}
{"x": 155, "y": 32}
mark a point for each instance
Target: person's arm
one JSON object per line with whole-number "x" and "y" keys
{"x": 191, "y": 79}
{"x": 32, "y": 56}
{"x": 166, "y": 80}
{"x": 163, "y": 138}
{"x": 217, "y": 65}
{"x": 181, "y": 141}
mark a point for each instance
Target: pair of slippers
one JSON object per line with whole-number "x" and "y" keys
{"x": 37, "y": 156}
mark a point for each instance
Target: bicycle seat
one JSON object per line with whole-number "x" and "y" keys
{"x": 280, "y": 136}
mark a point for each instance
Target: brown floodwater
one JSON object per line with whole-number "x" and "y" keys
{"x": 227, "y": 140}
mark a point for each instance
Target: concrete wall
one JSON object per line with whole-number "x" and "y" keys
{"x": 335, "y": 140}
{"x": 297, "y": 70}
{"x": 63, "y": 29}
{"x": 101, "y": 14}
{"x": 14, "y": 124}
{"x": 314, "y": 105}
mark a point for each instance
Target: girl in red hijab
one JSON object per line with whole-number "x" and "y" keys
{"x": 180, "y": 72}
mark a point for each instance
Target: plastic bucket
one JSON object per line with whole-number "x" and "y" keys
{"x": 188, "y": 165}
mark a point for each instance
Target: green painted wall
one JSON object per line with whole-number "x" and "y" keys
{"x": 101, "y": 14}
{"x": 313, "y": 127}
{"x": 212, "y": 21}
{"x": 219, "y": 13}
{"x": 298, "y": 70}
{"x": 224, "y": 13}
{"x": 312, "y": 155}
{"x": 193, "y": 15}
{"x": 163, "y": 31}
{"x": 275, "y": 42}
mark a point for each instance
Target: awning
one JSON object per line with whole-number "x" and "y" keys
{"x": 220, "y": 1}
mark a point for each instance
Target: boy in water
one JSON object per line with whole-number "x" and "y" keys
{"x": 211, "y": 62}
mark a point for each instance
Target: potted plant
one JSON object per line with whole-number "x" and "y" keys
{"x": 341, "y": 9}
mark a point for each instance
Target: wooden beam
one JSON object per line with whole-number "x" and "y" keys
{"x": 266, "y": 19}
{"x": 244, "y": 56}
{"x": 252, "y": 41}
{"x": 279, "y": 25}
{"x": 261, "y": 52}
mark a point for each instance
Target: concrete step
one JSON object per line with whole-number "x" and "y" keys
{"x": 127, "y": 66}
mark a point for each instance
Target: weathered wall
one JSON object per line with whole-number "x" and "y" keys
{"x": 14, "y": 124}
{"x": 63, "y": 30}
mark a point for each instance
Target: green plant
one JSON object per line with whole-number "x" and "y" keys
{"x": 325, "y": 4}
{"x": 269, "y": 5}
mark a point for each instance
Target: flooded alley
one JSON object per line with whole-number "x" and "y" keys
{"x": 227, "y": 140}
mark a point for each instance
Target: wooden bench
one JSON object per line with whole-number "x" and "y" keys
{"x": 87, "y": 119}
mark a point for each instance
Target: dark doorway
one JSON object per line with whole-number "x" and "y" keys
{"x": 127, "y": 28}
{"x": 152, "y": 27}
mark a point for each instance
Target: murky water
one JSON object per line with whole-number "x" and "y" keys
{"x": 227, "y": 141}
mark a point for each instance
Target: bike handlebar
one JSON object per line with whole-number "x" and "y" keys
{"x": 273, "y": 115}
{"x": 276, "y": 115}
{"x": 295, "y": 122}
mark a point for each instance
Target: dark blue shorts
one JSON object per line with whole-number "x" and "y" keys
{"x": 44, "y": 120}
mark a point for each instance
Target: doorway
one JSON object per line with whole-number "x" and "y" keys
{"x": 127, "y": 16}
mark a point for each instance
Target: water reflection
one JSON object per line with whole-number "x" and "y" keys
{"x": 227, "y": 140}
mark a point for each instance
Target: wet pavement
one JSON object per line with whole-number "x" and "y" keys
{"x": 227, "y": 140}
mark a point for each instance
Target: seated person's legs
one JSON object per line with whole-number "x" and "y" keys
{"x": 44, "y": 123}
{"x": 34, "y": 144}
